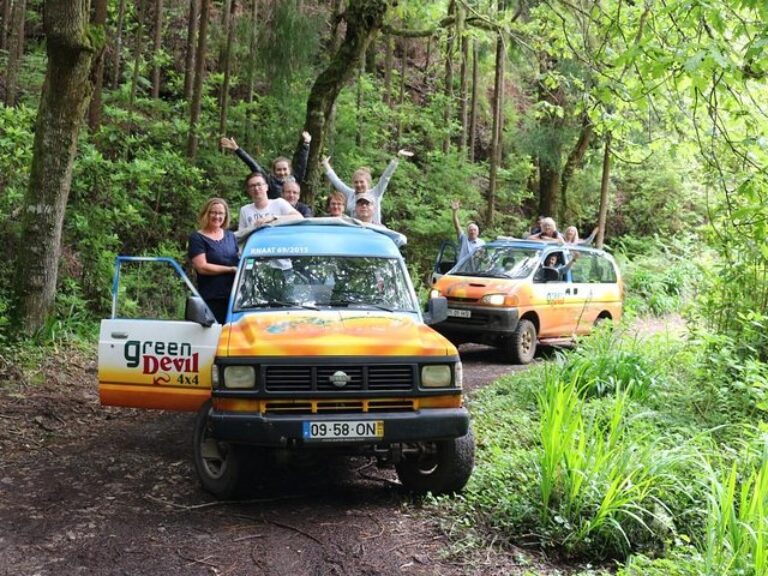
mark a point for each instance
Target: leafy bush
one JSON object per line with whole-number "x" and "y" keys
{"x": 659, "y": 278}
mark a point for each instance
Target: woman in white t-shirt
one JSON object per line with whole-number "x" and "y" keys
{"x": 263, "y": 210}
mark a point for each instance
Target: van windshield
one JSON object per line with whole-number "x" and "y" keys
{"x": 324, "y": 282}
{"x": 499, "y": 262}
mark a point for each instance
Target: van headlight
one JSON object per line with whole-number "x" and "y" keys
{"x": 436, "y": 376}
{"x": 239, "y": 377}
{"x": 499, "y": 299}
{"x": 434, "y": 293}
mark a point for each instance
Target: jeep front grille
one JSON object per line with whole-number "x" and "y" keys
{"x": 378, "y": 378}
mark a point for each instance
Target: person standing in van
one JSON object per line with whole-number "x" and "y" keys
{"x": 470, "y": 241}
{"x": 362, "y": 183}
{"x": 282, "y": 168}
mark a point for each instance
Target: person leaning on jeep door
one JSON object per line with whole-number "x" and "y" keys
{"x": 214, "y": 256}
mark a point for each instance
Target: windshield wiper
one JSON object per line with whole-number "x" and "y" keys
{"x": 281, "y": 304}
{"x": 359, "y": 303}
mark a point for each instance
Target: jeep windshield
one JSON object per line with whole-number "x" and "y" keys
{"x": 498, "y": 262}
{"x": 319, "y": 282}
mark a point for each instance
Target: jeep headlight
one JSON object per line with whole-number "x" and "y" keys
{"x": 434, "y": 293}
{"x": 436, "y": 376}
{"x": 239, "y": 377}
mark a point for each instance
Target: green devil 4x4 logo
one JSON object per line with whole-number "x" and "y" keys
{"x": 158, "y": 358}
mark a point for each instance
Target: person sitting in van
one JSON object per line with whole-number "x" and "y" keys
{"x": 282, "y": 168}
{"x": 292, "y": 193}
{"x": 263, "y": 210}
{"x": 336, "y": 204}
{"x": 548, "y": 232}
{"x": 365, "y": 207}
{"x": 470, "y": 241}
{"x": 571, "y": 236}
{"x": 554, "y": 260}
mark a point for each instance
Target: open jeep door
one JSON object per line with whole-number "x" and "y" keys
{"x": 157, "y": 349}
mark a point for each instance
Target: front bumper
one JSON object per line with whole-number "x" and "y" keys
{"x": 484, "y": 321}
{"x": 287, "y": 430}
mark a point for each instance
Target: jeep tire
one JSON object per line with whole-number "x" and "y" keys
{"x": 219, "y": 465}
{"x": 442, "y": 469}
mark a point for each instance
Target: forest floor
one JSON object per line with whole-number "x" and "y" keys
{"x": 106, "y": 491}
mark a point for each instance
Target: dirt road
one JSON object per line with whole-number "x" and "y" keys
{"x": 88, "y": 490}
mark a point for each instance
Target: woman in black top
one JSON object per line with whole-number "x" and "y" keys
{"x": 214, "y": 256}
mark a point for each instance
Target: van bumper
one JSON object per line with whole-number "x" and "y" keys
{"x": 289, "y": 430}
{"x": 485, "y": 321}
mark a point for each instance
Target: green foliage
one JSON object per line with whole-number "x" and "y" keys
{"x": 609, "y": 362}
{"x": 660, "y": 276}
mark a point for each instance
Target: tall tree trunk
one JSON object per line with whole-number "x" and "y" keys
{"x": 252, "y": 52}
{"x": 197, "y": 92}
{"x": 574, "y": 161}
{"x": 370, "y": 57}
{"x": 448, "y": 110}
{"x": 15, "y": 51}
{"x": 388, "y": 63}
{"x": 224, "y": 98}
{"x": 137, "y": 51}
{"x": 464, "y": 80}
{"x": 63, "y": 103}
{"x": 473, "y": 107}
{"x": 359, "y": 100}
{"x": 549, "y": 160}
{"x": 6, "y": 27}
{"x": 189, "y": 57}
{"x": 157, "y": 47}
{"x": 401, "y": 92}
{"x": 498, "y": 99}
{"x": 118, "y": 45}
{"x": 364, "y": 19}
{"x": 94, "y": 109}
{"x": 335, "y": 39}
{"x": 226, "y": 13}
{"x": 604, "y": 190}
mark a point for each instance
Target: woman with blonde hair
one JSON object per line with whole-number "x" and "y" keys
{"x": 362, "y": 182}
{"x": 214, "y": 256}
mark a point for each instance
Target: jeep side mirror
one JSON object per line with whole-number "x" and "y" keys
{"x": 196, "y": 310}
{"x": 437, "y": 310}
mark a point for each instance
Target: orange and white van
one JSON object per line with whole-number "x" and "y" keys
{"x": 514, "y": 294}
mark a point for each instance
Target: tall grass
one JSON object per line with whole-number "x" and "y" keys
{"x": 737, "y": 524}
{"x": 597, "y": 483}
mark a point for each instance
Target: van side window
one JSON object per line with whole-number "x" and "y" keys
{"x": 594, "y": 269}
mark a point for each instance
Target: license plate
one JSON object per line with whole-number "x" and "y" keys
{"x": 459, "y": 313}
{"x": 344, "y": 430}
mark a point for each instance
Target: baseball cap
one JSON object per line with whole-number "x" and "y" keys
{"x": 365, "y": 196}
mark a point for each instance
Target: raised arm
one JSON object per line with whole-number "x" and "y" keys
{"x": 335, "y": 180}
{"x": 455, "y": 205}
{"x": 231, "y": 145}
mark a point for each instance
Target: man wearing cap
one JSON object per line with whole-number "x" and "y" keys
{"x": 365, "y": 207}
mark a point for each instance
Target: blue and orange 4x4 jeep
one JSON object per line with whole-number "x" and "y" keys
{"x": 324, "y": 350}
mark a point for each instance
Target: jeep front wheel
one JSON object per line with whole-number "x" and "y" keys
{"x": 440, "y": 467}
{"x": 218, "y": 464}
{"x": 521, "y": 345}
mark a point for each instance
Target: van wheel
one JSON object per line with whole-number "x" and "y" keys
{"x": 219, "y": 465}
{"x": 521, "y": 345}
{"x": 440, "y": 467}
